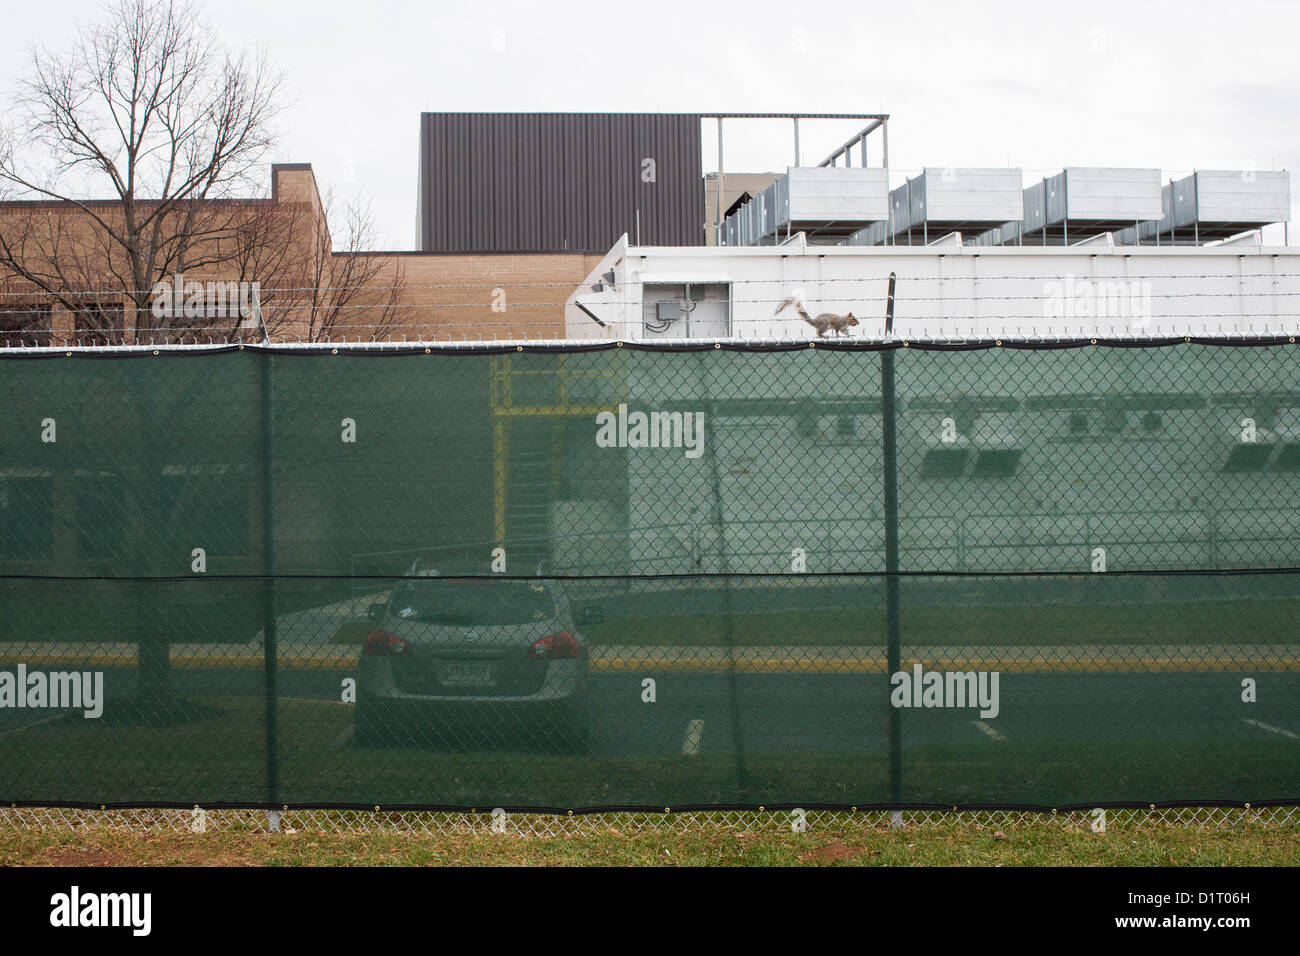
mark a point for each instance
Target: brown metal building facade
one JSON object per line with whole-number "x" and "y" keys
{"x": 552, "y": 182}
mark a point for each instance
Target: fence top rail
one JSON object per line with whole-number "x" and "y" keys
{"x": 733, "y": 344}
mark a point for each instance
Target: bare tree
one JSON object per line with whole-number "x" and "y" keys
{"x": 147, "y": 110}
{"x": 150, "y": 111}
{"x": 339, "y": 293}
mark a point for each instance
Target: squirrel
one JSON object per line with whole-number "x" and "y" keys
{"x": 839, "y": 324}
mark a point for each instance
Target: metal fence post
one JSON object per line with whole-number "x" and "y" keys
{"x": 892, "y": 618}
{"x": 270, "y": 639}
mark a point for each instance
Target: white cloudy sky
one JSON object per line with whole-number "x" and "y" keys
{"x": 1036, "y": 85}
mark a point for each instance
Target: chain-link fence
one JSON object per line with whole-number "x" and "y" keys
{"x": 410, "y": 587}
{"x": 499, "y": 822}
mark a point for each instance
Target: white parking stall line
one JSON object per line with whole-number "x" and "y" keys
{"x": 1270, "y": 728}
{"x": 986, "y": 728}
{"x": 694, "y": 732}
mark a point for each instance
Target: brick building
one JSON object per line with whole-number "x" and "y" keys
{"x": 287, "y": 250}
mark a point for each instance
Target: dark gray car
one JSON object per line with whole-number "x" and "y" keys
{"x": 474, "y": 663}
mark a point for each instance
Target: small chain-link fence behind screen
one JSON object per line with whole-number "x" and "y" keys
{"x": 615, "y": 578}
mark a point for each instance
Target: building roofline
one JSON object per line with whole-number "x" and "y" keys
{"x": 110, "y": 203}
{"x": 480, "y": 252}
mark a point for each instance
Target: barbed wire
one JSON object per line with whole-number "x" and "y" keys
{"x": 734, "y": 301}
{"x": 299, "y": 322}
{"x": 556, "y": 342}
{"x": 628, "y": 303}
{"x": 516, "y": 335}
{"x": 552, "y": 336}
{"x": 785, "y": 281}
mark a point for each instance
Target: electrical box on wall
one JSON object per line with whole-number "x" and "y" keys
{"x": 669, "y": 310}
{"x": 686, "y": 310}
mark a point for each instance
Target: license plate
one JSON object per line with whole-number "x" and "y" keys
{"x": 467, "y": 672}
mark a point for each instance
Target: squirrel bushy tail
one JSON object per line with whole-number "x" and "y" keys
{"x": 827, "y": 321}
{"x": 798, "y": 307}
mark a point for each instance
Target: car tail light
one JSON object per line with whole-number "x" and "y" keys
{"x": 553, "y": 646}
{"x": 382, "y": 644}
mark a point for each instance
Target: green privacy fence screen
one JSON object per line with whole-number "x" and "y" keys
{"x": 586, "y": 577}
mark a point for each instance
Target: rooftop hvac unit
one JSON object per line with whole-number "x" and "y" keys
{"x": 1081, "y": 202}
{"x": 1215, "y": 204}
{"x": 944, "y": 200}
{"x": 827, "y": 203}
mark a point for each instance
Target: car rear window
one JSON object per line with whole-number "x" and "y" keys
{"x": 465, "y": 603}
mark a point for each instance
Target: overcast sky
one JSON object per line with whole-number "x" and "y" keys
{"x": 1035, "y": 85}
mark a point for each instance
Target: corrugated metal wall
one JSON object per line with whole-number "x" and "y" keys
{"x": 547, "y": 182}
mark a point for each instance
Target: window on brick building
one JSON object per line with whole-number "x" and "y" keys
{"x": 100, "y": 325}
{"x": 24, "y": 323}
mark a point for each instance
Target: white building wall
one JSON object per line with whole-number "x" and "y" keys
{"x": 779, "y": 489}
{"x": 963, "y": 291}
{"x": 1151, "y": 498}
